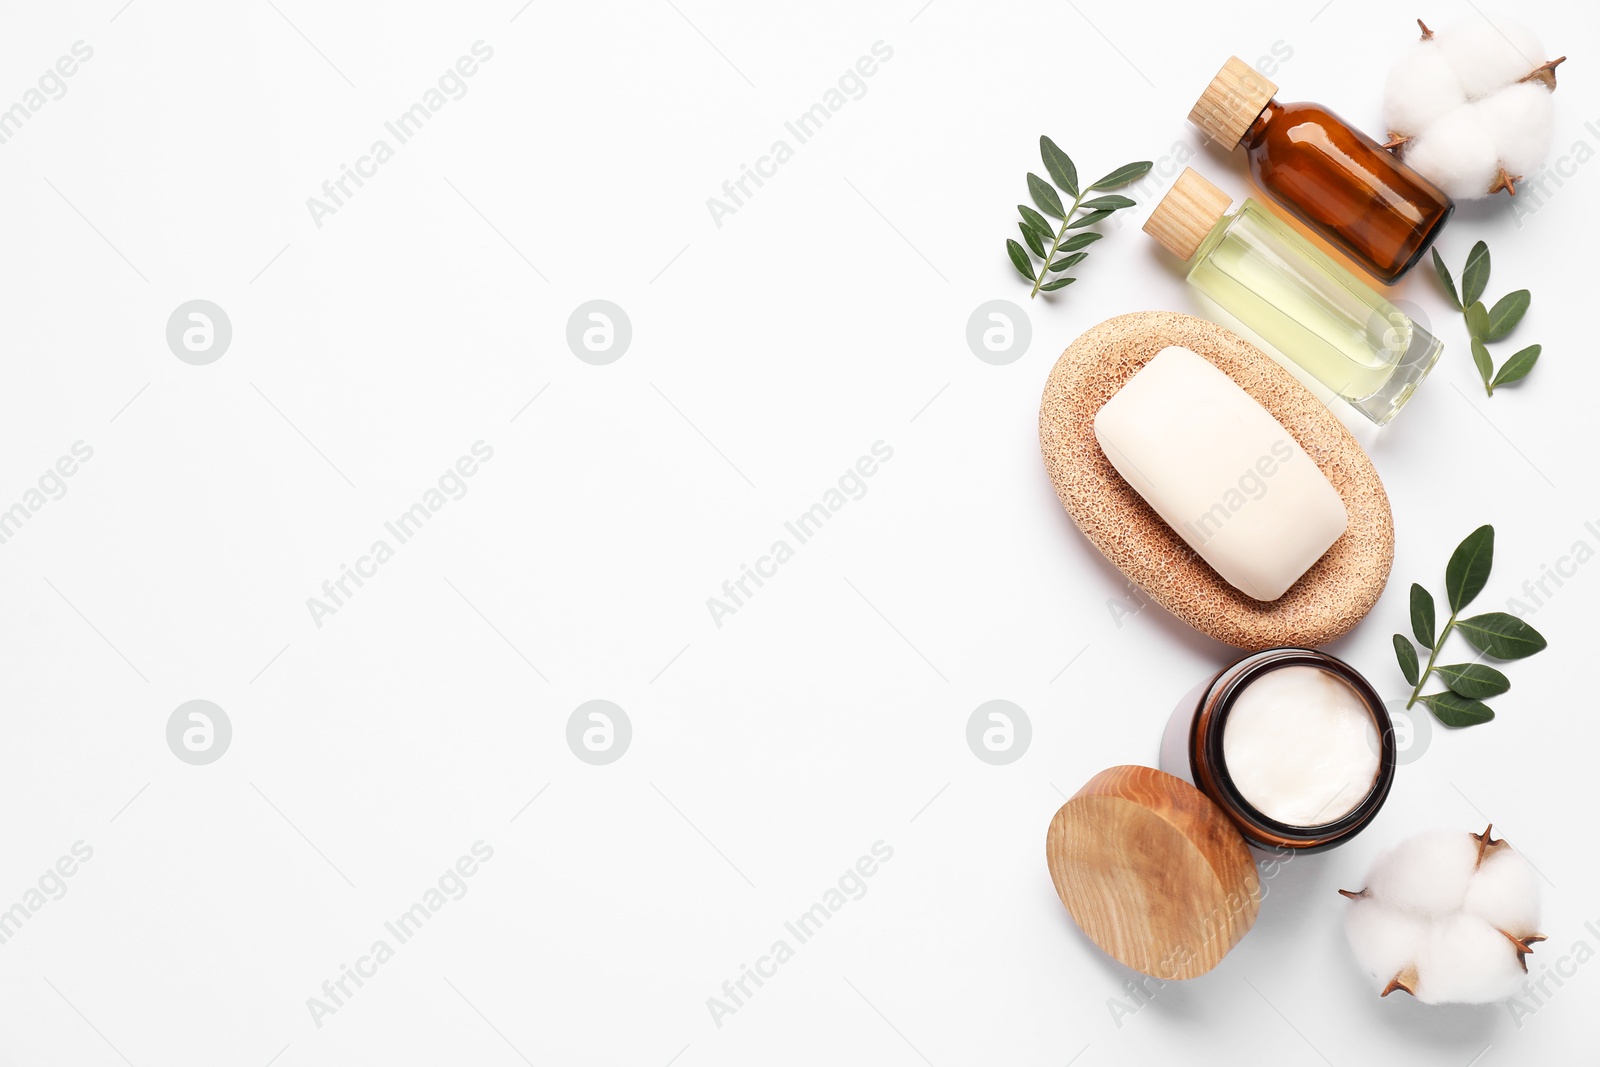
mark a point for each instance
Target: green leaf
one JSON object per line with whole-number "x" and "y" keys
{"x": 1477, "y": 319}
{"x": 1517, "y": 367}
{"x": 1068, "y": 261}
{"x": 1475, "y": 681}
{"x": 1035, "y": 242}
{"x": 1036, "y": 220}
{"x": 1059, "y": 283}
{"x": 1044, "y": 234}
{"x": 1422, "y": 618}
{"x": 1090, "y": 219}
{"x": 1502, "y": 636}
{"x": 1481, "y": 360}
{"x": 1454, "y": 710}
{"x": 1082, "y": 240}
{"x": 1475, "y": 275}
{"x": 1506, "y": 313}
{"x": 1444, "y": 278}
{"x": 1124, "y": 174}
{"x": 1110, "y": 203}
{"x": 1059, "y": 164}
{"x": 1020, "y": 260}
{"x": 1407, "y": 655}
{"x": 1045, "y": 197}
{"x": 1468, "y": 570}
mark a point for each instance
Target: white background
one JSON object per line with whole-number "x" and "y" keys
{"x": 768, "y": 354}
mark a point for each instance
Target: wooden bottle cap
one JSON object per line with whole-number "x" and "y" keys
{"x": 1232, "y": 101}
{"x": 1186, "y": 214}
{"x": 1153, "y": 871}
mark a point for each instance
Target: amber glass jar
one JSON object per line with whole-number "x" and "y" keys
{"x": 1195, "y": 748}
{"x": 1334, "y": 178}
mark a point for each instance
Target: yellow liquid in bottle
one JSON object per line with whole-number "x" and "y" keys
{"x": 1314, "y": 311}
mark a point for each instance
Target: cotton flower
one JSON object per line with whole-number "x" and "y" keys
{"x": 1470, "y": 107}
{"x": 1447, "y": 917}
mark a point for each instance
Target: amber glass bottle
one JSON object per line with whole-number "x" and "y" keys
{"x": 1334, "y": 178}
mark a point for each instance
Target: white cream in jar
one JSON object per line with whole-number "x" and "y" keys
{"x": 1301, "y": 746}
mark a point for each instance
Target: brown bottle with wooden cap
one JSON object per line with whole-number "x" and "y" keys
{"x": 1334, "y": 178}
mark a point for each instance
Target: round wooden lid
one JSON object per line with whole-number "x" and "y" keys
{"x": 1185, "y": 216}
{"x": 1153, "y": 872}
{"x": 1232, "y": 101}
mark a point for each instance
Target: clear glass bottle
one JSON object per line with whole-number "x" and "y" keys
{"x": 1312, "y": 310}
{"x": 1328, "y": 174}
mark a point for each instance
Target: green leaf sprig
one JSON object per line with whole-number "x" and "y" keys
{"x": 1495, "y": 633}
{"x": 1485, "y": 324}
{"x": 1045, "y": 239}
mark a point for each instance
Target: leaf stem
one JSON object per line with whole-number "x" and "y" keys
{"x": 1062, "y": 232}
{"x": 1432, "y": 656}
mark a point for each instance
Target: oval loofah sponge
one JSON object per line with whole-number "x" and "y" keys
{"x": 1327, "y": 601}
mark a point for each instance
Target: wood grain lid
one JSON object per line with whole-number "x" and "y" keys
{"x": 1153, "y": 872}
{"x": 1186, "y": 214}
{"x": 1232, "y": 101}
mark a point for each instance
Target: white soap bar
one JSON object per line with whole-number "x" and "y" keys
{"x": 1221, "y": 471}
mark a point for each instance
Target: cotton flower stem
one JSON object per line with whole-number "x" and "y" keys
{"x": 1405, "y": 981}
{"x": 1487, "y": 844}
{"x": 1523, "y": 946}
{"x": 1508, "y": 182}
{"x": 1545, "y": 73}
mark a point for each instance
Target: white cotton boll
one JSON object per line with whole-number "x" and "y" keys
{"x": 1488, "y": 53}
{"x": 1498, "y": 128}
{"x": 1521, "y": 122}
{"x": 1385, "y": 940}
{"x": 1446, "y": 917}
{"x": 1420, "y": 89}
{"x": 1427, "y": 873}
{"x": 1505, "y": 893}
{"x": 1456, "y": 154}
{"x": 1466, "y": 961}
